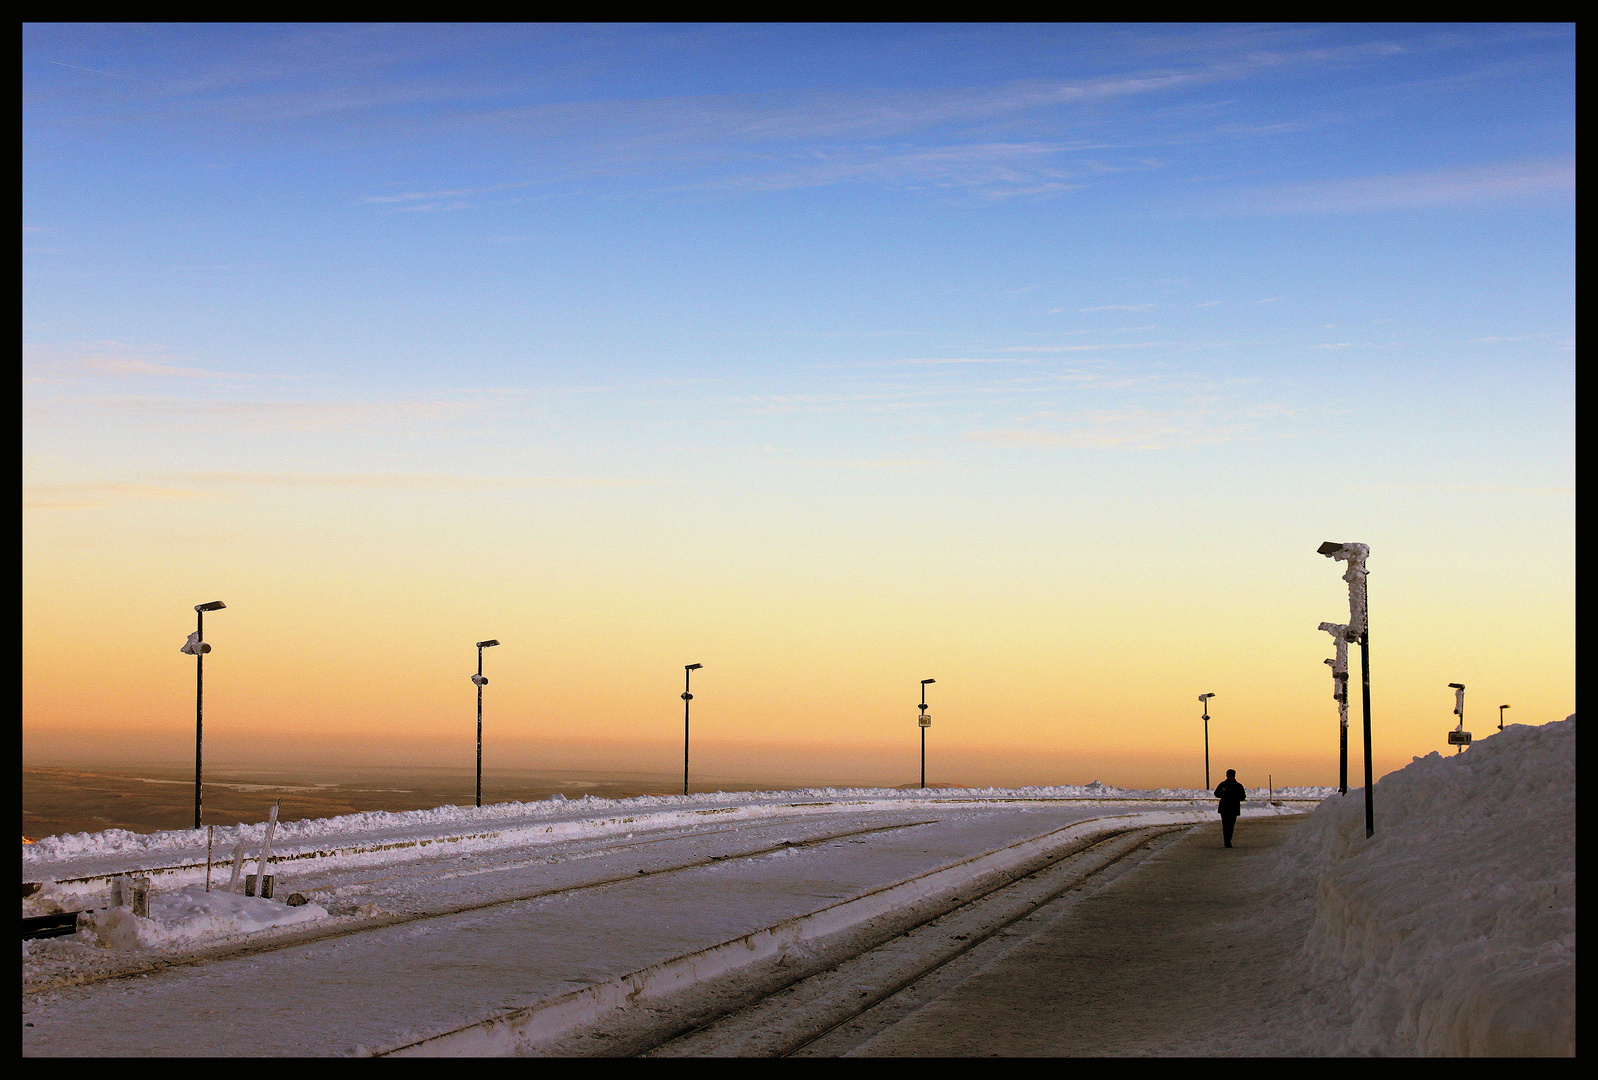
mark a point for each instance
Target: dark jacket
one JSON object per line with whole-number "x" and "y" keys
{"x": 1231, "y": 793}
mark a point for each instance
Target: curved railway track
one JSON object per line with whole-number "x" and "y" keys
{"x": 282, "y": 940}
{"x": 793, "y": 1002}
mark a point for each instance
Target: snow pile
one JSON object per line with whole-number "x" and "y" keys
{"x": 1454, "y": 926}
{"x": 190, "y": 915}
{"x": 46, "y": 857}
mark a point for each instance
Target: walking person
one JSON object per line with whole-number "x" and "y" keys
{"x": 1231, "y": 794}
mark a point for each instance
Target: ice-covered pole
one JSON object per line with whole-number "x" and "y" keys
{"x": 1459, "y": 711}
{"x": 266, "y": 850}
{"x": 1339, "y": 666}
{"x": 1359, "y": 629}
{"x": 1355, "y": 555}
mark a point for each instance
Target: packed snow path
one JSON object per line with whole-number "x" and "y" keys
{"x": 1192, "y": 953}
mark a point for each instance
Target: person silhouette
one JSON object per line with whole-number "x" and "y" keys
{"x": 1231, "y": 794}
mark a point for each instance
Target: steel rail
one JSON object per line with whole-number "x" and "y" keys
{"x": 755, "y": 1025}
{"x": 234, "y": 950}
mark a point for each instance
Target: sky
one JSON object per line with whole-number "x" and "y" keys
{"x": 1035, "y": 359}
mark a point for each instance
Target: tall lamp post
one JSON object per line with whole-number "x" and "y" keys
{"x": 481, "y": 682}
{"x": 1204, "y": 699}
{"x": 687, "y": 674}
{"x": 197, "y": 648}
{"x": 1358, "y": 630}
{"x": 923, "y": 722}
{"x": 1501, "y": 709}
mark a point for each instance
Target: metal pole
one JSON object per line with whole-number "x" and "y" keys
{"x": 687, "y": 677}
{"x": 199, "y": 709}
{"x": 1365, "y": 679}
{"x": 923, "y": 736}
{"x": 1501, "y": 709}
{"x": 479, "y": 725}
{"x": 1206, "y": 746}
{"x": 1342, "y": 749}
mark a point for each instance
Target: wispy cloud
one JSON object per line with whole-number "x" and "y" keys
{"x": 412, "y": 196}
{"x": 1003, "y": 169}
{"x": 112, "y": 360}
{"x": 213, "y": 485}
{"x": 981, "y": 360}
{"x": 1134, "y": 428}
{"x": 398, "y": 481}
{"x": 808, "y": 138}
{"x": 416, "y": 416}
{"x": 70, "y": 496}
{"x": 1413, "y": 191}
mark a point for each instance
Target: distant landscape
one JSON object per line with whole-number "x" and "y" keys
{"x": 60, "y": 799}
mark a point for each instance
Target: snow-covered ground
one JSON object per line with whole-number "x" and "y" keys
{"x": 1454, "y": 925}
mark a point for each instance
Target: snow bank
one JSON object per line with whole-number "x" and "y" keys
{"x": 191, "y": 915}
{"x": 48, "y": 854}
{"x": 1454, "y": 926}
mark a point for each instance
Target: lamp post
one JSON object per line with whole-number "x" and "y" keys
{"x": 1204, "y": 699}
{"x": 687, "y": 674}
{"x": 481, "y": 682}
{"x": 923, "y": 722}
{"x": 1358, "y": 630}
{"x": 1501, "y": 709}
{"x": 197, "y": 648}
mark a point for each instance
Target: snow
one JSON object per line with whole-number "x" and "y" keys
{"x": 1355, "y": 554}
{"x": 190, "y": 916}
{"x": 1339, "y": 666}
{"x": 77, "y": 854}
{"x": 1455, "y": 923}
{"x": 1451, "y": 931}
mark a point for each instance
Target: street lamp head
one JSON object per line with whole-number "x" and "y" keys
{"x": 925, "y": 681}
{"x": 214, "y": 605}
{"x": 1503, "y": 706}
{"x": 692, "y": 667}
{"x": 1456, "y": 686}
{"x": 489, "y": 642}
{"x": 1330, "y": 548}
{"x": 1205, "y": 697}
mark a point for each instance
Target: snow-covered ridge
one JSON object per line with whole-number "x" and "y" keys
{"x": 1455, "y": 924}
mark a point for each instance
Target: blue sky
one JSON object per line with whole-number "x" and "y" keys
{"x": 841, "y": 293}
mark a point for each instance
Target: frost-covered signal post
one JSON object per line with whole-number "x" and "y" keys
{"x": 1357, "y": 629}
{"x": 1339, "y": 666}
{"x": 1459, "y": 737}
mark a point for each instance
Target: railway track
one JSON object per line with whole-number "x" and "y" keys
{"x": 792, "y": 1001}
{"x": 282, "y": 940}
